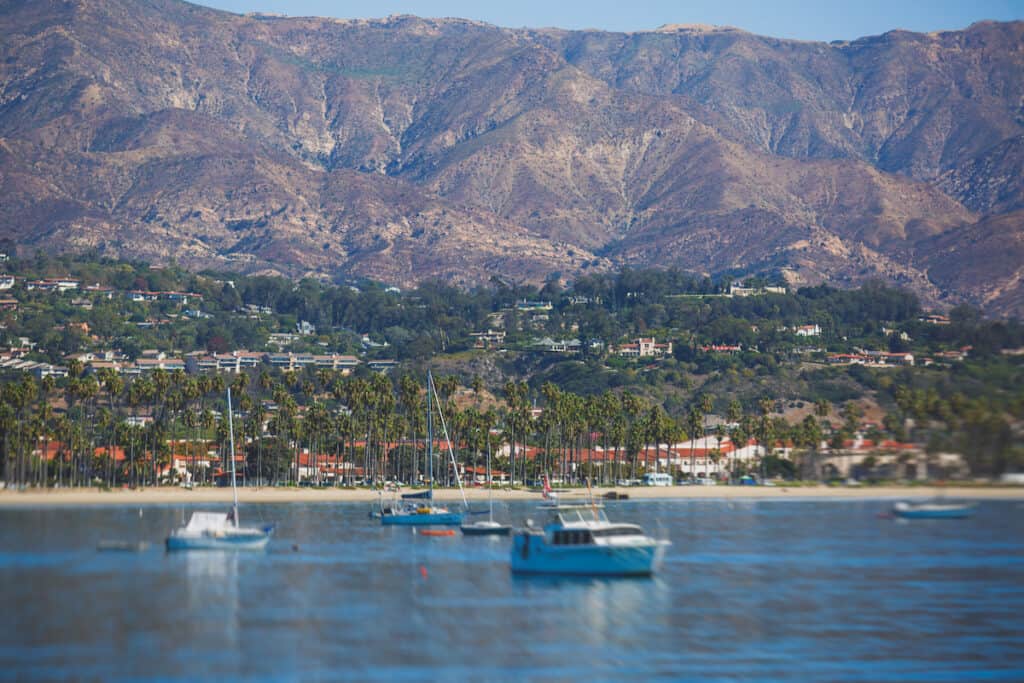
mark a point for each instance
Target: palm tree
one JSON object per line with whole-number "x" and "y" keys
{"x": 695, "y": 428}
{"x": 765, "y": 430}
{"x": 161, "y": 389}
{"x": 515, "y": 420}
{"x": 114, "y": 385}
{"x": 592, "y": 408}
{"x": 616, "y": 429}
{"x": 632, "y": 406}
{"x": 46, "y": 388}
{"x": 383, "y": 400}
{"x": 409, "y": 400}
{"x": 719, "y": 437}
{"x": 809, "y": 437}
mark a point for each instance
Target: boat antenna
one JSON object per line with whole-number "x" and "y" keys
{"x": 231, "y": 455}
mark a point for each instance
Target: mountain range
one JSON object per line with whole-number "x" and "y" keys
{"x": 407, "y": 148}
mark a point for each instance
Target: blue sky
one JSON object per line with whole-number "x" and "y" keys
{"x": 823, "y": 20}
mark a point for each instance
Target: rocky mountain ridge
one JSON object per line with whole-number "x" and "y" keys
{"x": 408, "y": 148}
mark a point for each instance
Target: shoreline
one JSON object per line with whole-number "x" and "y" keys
{"x": 250, "y": 495}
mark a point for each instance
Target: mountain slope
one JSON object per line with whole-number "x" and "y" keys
{"x": 408, "y": 148}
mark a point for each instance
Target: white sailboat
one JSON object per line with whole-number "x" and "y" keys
{"x": 419, "y": 509}
{"x": 487, "y": 527}
{"x": 215, "y": 530}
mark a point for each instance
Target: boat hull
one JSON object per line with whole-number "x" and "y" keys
{"x": 933, "y": 511}
{"x": 256, "y": 541}
{"x": 424, "y": 519}
{"x": 531, "y": 555}
{"x": 485, "y": 530}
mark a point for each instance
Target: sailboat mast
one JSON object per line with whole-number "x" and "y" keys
{"x": 451, "y": 452}
{"x": 430, "y": 432}
{"x": 490, "y": 487}
{"x": 231, "y": 440}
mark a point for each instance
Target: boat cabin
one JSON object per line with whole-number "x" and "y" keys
{"x": 572, "y": 537}
{"x": 585, "y": 524}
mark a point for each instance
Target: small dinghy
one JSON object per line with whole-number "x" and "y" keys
{"x": 907, "y": 510}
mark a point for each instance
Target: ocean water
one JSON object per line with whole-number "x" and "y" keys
{"x": 751, "y": 591}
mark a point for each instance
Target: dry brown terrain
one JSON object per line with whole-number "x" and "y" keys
{"x": 407, "y": 148}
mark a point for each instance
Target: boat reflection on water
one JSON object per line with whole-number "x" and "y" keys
{"x": 212, "y": 577}
{"x": 607, "y": 605}
{"x": 211, "y": 587}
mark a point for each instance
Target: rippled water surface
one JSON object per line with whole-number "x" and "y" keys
{"x": 749, "y": 591}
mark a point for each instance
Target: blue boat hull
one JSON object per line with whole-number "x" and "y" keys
{"x": 240, "y": 542}
{"x": 472, "y": 530}
{"x": 531, "y": 555}
{"x": 951, "y": 513}
{"x": 441, "y": 519}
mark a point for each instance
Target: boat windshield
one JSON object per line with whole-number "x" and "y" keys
{"x": 575, "y": 514}
{"x": 572, "y": 537}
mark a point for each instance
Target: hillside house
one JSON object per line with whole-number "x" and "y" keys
{"x": 644, "y": 347}
{"x": 808, "y": 331}
{"x": 60, "y": 284}
{"x": 488, "y": 340}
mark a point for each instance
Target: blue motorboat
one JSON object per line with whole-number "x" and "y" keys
{"x": 579, "y": 540}
{"x": 419, "y": 514}
{"x": 906, "y": 510}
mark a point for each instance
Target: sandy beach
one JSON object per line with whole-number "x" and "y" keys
{"x": 177, "y": 496}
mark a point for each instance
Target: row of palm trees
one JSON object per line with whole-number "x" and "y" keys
{"x": 108, "y": 430}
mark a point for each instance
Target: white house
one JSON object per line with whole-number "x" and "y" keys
{"x": 645, "y": 347}
{"x": 808, "y": 331}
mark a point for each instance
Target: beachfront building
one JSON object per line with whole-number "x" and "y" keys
{"x": 887, "y": 459}
{"x": 706, "y": 457}
{"x": 477, "y": 476}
